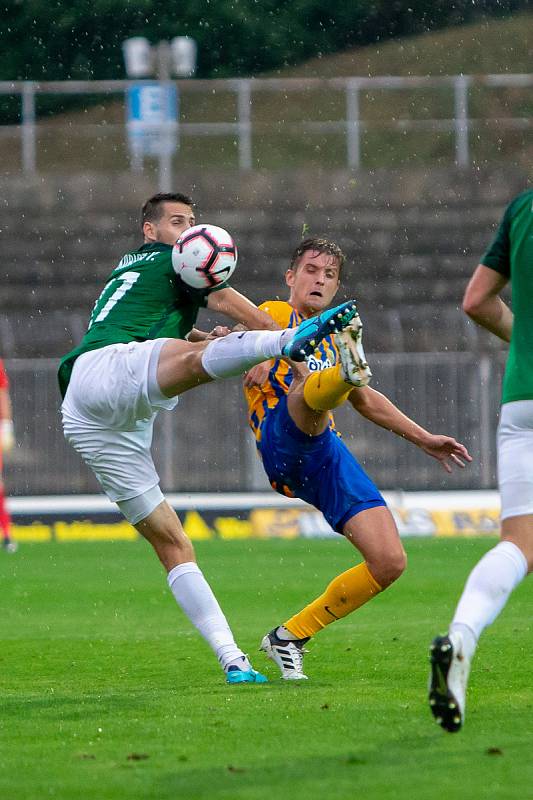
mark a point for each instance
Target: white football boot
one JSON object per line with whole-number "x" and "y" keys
{"x": 355, "y": 369}
{"x": 288, "y": 654}
{"x": 448, "y": 680}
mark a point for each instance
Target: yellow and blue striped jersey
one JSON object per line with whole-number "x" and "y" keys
{"x": 261, "y": 399}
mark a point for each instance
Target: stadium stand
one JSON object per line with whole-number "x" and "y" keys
{"x": 411, "y": 237}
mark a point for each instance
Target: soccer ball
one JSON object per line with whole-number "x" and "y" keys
{"x": 204, "y": 256}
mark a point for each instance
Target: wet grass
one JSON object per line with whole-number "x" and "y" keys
{"x": 108, "y": 692}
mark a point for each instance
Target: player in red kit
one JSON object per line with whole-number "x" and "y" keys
{"x": 7, "y": 441}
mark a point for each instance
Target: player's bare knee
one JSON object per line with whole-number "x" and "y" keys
{"x": 395, "y": 565}
{"x": 168, "y": 539}
{"x": 176, "y": 539}
{"x": 297, "y": 383}
{"x": 172, "y": 552}
{"x": 388, "y": 567}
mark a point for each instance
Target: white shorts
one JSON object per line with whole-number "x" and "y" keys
{"x": 515, "y": 458}
{"x": 108, "y": 416}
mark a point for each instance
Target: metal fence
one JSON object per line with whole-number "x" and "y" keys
{"x": 352, "y": 121}
{"x": 205, "y": 444}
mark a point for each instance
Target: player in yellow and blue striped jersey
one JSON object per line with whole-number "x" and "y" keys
{"x": 304, "y": 456}
{"x": 280, "y": 374}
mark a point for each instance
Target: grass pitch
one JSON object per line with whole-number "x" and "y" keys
{"x": 107, "y": 693}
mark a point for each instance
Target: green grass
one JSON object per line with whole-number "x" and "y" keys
{"x": 108, "y": 693}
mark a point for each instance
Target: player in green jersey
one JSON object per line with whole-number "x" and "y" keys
{"x": 489, "y": 585}
{"x": 134, "y": 361}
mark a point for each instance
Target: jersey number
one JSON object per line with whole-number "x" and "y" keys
{"x": 125, "y": 282}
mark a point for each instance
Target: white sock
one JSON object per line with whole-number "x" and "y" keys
{"x": 195, "y": 597}
{"x": 487, "y": 590}
{"x": 468, "y": 638}
{"x": 233, "y": 354}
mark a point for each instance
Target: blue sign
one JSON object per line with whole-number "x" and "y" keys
{"x": 152, "y": 118}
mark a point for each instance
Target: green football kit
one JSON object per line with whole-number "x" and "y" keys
{"x": 142, "y": 299}
{"x": 511, "y": 254}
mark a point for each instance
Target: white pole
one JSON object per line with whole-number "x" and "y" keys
{"x": 485, "y": 427}
{"x": 165, "y": 159}
{"x": 353, "y": 127}
{"x": 165, "y": 153}
{"x": 462, "y": 155}
{"x": 28, "y": 128}
{"x": 244, "y": 104}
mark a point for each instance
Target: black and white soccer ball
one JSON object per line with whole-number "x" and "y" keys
{"x": 204, "y": 256}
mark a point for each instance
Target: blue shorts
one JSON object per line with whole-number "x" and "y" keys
{"x": 318, "y": 469}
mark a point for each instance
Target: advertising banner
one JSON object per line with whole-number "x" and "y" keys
{"x": 266, "y": 516}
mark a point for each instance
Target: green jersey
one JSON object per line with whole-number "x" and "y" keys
{"x": 142, "y": 299}
{"x": 511, "y": 254}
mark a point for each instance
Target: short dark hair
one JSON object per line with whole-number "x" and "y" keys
{"x": 152, "y": 210}
{"x": 318, "y": 244}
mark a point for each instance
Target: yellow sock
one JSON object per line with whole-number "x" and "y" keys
{"x": 326, "y": 389}
{"x": 345, "y": 593}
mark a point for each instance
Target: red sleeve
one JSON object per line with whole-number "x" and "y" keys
{"x": 4, "y": 380}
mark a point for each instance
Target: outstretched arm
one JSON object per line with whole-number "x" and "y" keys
{"x": 484, "y": 305}
{"x": 379, "y": 409}
{"x": 238, "y": 308}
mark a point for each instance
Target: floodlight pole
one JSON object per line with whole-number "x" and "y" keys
{"x": 165, "y": 172}
{"x": 164, "y": 59}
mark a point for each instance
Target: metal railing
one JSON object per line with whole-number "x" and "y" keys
{"x": 205, "y": 444}
{"x": 244, "y": 125}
